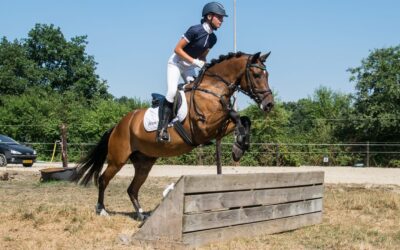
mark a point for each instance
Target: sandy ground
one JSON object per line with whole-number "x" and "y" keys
{"x": 335, "y": 175}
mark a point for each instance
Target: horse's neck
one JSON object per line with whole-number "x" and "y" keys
{"x": 229, "y": 70}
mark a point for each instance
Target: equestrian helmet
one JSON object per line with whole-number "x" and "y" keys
{"x": 214, "y": 7}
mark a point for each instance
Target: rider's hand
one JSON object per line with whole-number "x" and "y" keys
{"x": 198, "y": 63}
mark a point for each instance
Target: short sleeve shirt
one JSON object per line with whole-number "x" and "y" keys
{"x": 199, "y": 40}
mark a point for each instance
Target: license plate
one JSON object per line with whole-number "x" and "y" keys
{"x": 27, "y": 161}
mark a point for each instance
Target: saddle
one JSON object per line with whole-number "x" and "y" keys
{"x": 158, "y": 99}
{"x": 153, "y": 114}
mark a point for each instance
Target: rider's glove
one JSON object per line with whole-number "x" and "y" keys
{"x": 198, "y": 63}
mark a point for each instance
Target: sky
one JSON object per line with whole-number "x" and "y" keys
{"x": 313, "y": 42}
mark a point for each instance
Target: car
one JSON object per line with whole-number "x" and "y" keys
{"x": 15, "y": 153}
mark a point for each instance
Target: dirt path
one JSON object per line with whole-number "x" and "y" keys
{"x": 375, "y": 176}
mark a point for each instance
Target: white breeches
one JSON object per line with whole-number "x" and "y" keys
{"x": 177, "y": 68}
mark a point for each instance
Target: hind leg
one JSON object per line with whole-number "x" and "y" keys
{"x": 119, "y": 150}
{"x": 143, "y": 165}
{"x": 111, "y": 170}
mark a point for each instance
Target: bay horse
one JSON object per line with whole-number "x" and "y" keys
{"x": 209, "y": 117}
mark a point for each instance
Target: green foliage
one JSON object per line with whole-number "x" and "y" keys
{"x": 17, "y": 71}
{"x": 376, "y": 115}
{"x": 377, "y": 102}
{"x": 316, "y": 118}
{"x": 394, "y": 163}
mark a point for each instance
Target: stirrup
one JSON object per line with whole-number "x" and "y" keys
{"x": 163, "y": 136}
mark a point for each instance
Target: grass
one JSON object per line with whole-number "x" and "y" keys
{"x": 60, "y": 215}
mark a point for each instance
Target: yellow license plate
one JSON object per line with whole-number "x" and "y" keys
{"x": 27, "y": 161}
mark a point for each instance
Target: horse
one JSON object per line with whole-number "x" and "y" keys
{"x": 210, "y": 116}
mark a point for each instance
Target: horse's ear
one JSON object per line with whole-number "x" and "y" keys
{"x": 255, "y": 57}
{"x": 264, "y": 57}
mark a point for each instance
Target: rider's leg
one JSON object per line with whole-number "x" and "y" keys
{"x": 176, "y": 69}
{"x": 166, "y": 116}
{"x": 173, "y": 75}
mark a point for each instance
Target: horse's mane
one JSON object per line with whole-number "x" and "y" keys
{"x": 212, "y": 63}
{"x": 223, "y": 58}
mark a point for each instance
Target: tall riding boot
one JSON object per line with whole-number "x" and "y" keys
{"x": 166, "y": 116}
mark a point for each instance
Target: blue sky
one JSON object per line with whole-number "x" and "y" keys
{"x": 313, "y": 42}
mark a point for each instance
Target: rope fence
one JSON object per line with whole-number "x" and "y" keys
{"x": 260, "y": 154}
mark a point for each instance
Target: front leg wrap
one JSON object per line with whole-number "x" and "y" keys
{"x": 242, "y": 132}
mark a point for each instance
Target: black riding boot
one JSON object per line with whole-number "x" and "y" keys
{"x": 166, "y": 115}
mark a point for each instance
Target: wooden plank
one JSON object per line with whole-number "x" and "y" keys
{"x": 165, "y": 223}
{"x": 195, "y": 222}
{"x": 217, "y": 183}
{"x": 226, "y": 200}
{"x": 196, "y": 239}
{"x": 158, "y": 244}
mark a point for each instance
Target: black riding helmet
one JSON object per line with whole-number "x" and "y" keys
{"x": 214, "y": 7}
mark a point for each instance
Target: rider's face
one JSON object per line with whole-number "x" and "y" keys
{"x": 217, "y": 20}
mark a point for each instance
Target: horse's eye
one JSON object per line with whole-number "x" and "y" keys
{"x": 257, "y": 75}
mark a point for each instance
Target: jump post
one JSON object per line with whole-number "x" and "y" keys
{"x": 207, "y": 209}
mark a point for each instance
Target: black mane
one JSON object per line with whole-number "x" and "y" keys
{"x": 223, "y": 58}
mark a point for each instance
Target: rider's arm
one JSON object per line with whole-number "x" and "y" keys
{"x": 181, "y": 53}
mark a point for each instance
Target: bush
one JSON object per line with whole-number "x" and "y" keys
{"x": 394, "y": 164}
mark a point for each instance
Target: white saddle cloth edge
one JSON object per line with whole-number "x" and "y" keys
{"x": 150, "y": 119}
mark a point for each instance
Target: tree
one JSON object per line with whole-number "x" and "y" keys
{"x": 48, "y": 60}
{"x": 318, "y": 118}
{"x": 17, "y": 71}
{"x": 64, "y": 65}
{"x": 377, "y": 100}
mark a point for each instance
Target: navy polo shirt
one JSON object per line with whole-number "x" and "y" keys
{"x": 199, "y": 40}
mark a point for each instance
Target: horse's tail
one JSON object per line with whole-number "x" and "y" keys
{"x": 91, "y": 165}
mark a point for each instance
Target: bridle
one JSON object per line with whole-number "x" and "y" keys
{"x": 253, "y": 91}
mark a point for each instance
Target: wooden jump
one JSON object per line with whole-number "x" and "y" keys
{"x": 212, "y": 208}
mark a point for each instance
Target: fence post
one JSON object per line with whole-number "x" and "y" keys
{"x": 64, "y": 154}
{"x": 200, "y": 155}
{"x": 218, "y": 156}
{"x": 277, "y": 155}
{"x": 367, "y": 163}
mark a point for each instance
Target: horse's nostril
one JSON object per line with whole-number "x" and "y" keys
{"x": 268, "y": 106}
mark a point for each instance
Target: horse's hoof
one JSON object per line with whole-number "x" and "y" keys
{"x": 237, "y": 152}
{"x": 103, "y": 212}
{"x": 142, "y": 217}
{"x": 100, "y": 210}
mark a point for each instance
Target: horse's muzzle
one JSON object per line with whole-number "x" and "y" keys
{"x": 267, "y": 104}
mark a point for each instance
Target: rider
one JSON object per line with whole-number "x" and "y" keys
{"x": 190, "y": 52}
